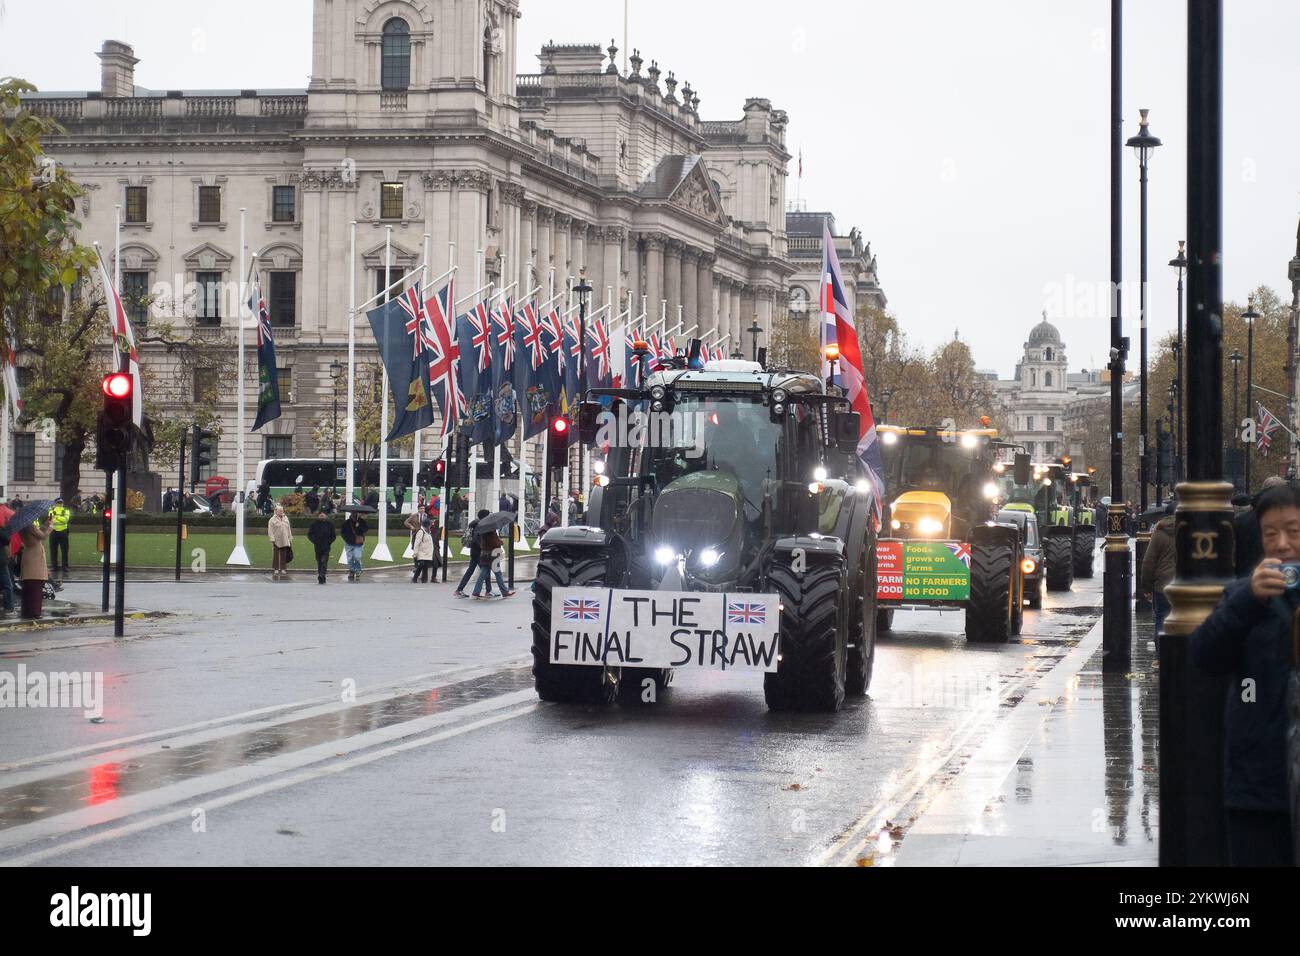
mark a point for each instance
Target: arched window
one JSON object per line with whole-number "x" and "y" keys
{"x": 1047, "y": 379}
{"x": 1033, "y": 377}
{"x": 396, "y": 70}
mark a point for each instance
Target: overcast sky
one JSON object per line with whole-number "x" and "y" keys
{"x": 966, "y": 140}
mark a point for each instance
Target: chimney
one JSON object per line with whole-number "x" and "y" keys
{"x": 118, "y": 69}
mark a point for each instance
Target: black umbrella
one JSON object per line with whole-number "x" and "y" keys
{"x": 29, "y": 514}
{"x": 496, "y": 521}
{"x": 359, "y": 509}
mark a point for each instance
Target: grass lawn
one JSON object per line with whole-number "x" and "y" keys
{"x": 151, "y": 549}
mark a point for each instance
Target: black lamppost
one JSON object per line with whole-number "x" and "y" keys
{"x": 1191, "y": 699}
{"x": 1179, "y": 262}
{"x": 885, "y": 395}
{"x": 336, "y": 373}
{"x": 1177, "y": 438}
{"x": 1234, "y": 449}
{"x": 1161, "y": 451}
{"x": 1173, "y": 447}
{"x": 755, "y": 330}
{"x": 1250, "y": 315}
{"x": 1144, "y": 146}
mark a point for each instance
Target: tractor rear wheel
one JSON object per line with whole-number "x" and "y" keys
{"x": 1058, "y": 549}
{"x": 862, "y": 628}
{"x": 567, "y": 683}
{"x": 1085, "y": 543}
{"x": 989, "y": 613}
{"x": 813, "y": 650}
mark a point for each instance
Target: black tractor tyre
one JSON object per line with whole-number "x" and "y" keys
{"x": 862, "y": 628}
{"x": 885, "y": 619}
{"x": 1085, "y": 540}
{"x": 567, "y": 683}
{"x": 1058, "y": 550}
{"x": 810, "y": 674}
{"x": 989, "y": 612}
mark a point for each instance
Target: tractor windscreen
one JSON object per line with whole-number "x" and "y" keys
{"x": 931, "y": 465}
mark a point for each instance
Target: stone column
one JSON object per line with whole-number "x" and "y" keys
{"x": 469, "y": 226}
{"x": 578, "y": 253}
{"x": 707, "y": 309}
{"x": 673, "y": 278}
{"x": 612, "y": 271}
{"x": 593, "y": 257}
{"x": 690, "y": 290}
{"x": 545, "y": 227}
{"x": 527, "y": 247}
{"x": 634, "y": 266}
{"x": 562, "y": 267}
{"x": 746, "y": 319}
{"x": 724, "y": 311}
{"x": 654, "y": 273}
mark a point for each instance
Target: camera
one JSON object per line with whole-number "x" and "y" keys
{"x": 1291, "y": 574}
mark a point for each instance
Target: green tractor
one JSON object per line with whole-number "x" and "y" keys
{"x": 731, "y": 527}
{"x": 943, "y": 547}
{"x": 1062, "y": 501}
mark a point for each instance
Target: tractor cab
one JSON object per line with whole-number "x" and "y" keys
{"x": 940, "y": 482}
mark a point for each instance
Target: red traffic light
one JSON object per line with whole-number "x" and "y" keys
{"x": 439, "y": 466}
{"x": 117, "y": 385}
{"x": 108, "y": 514}
{"x": 560, "y": 426}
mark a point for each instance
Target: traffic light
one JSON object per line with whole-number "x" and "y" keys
{"x": 439, "y": 474}
{"x": 113, "y": 429}
{"x": 557, "y": 447}
{"x": 203, "y": 449}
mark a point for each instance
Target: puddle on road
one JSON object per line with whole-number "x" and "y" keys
{"x": 112, "y": 780}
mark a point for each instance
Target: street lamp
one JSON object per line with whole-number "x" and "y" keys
{"x": 1179, "y": 262}
{"x": 1250, "y": 315}
{"x": 1144, "y": 146}
{"x": 336, "y": 373}
{"x": 1234, "y": 448}
{"x": 755, "y": 330}
{"x": 885, "y": 395}
{"x": 832, "y": 354}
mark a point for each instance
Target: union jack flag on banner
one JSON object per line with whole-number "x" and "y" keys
{"x": 961, "y": 551}
{"x": 743, "y": 612}
{"x": 581, "y": 609}
{"x": 444, "y": 357}
{"x": 1268, "y": 424}
{"x": 838, "y": 326}
{"x": 124, "y": 350}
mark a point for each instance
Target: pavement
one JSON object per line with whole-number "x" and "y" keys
{"x": 253, "y": 722}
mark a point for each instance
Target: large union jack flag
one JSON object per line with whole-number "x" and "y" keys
{"x": 598, "y": 333}
{"x": 745, "y": 612}
{"x": 444, "y": 356}
{"x": 581, "y": 609}
{"x": 480, "y": 324}
{"x": 961, "y": 551}
{"x": 533, "y": 330}
{"x": 413, "y": 306}
{"x": 504, "y": 323}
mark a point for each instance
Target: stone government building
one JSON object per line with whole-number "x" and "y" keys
{"x": 414, "y": 118}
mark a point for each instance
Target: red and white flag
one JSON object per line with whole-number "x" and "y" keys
{"x": 124, "y": 351}
{"x": 12, "y": 392}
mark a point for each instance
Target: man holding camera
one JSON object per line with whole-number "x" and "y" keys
{"x": 1248, "y": 638}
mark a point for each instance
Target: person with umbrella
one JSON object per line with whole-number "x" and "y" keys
{"x": 491, "y": 547}
{"x": 354, "y": 537}
{"x": 34, "y": 570}
{"x": 475, "y": 551}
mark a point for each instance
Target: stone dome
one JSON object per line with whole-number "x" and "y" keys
{"x": 1044, "y": 333}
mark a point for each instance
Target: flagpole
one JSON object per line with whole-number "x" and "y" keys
{"x": 496, "y": 459}
{"x": 564, "y": 478}
{"x": 523, "y": 450}
{"x": 240, "y": 555}
{"x": 409, "y": 552}
{"x": 381, "y": 552}
{"x": 471, "y": 498}
{"x": 115, "y": 525}
{"x": 4, "y": 445}
{"x": 545, "y": 481}
{"x": 349, "y": 488}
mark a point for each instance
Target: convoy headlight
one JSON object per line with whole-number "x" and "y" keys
{"x": 895, "y": 524}
{"x": 602, "y": 480}
{"x": 709, "y": 557}
{"x": 999, "y": 467}
{"x": 658, "y": 392}
{"x": 779, "y": 396}
{"x": 598, "y": 467}
{"x": 656, "y": 406}
{"x": 815, "y": 487}
{"x": 889, "y": 438}
{"x": 778, "y": 409}
{"x": 990, "y": 490}
{"x": 969, "y": 441}
{"x": 665, "y": 554}
{"x": 819, "y": 474}
{"x": 1028, "y": 565}
{"x": 862, "y": 487}
{"x": 930, "y": 526}
{"x": 1047, "y": 482}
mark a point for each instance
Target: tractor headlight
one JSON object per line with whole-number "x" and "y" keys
{"x": 779, "y": 396}
{"x": 999, "y": 467}
{"x": 1047, "y": 482}
{"x": 862, "y": 487}
{"x": 778, "y": 409}
{"x": 665, "y": 554}
{"x": 598, "y": 467}
{"x": 990, "y": 490}
{"x": 895, "y": 524}
{"x": 889, "y": 438}
{"x": 1028, "y": 565}
{"x": 930, "y": 526}
{"x": 969, "y": 441}
{"x": 819, "y": 474}
{"x": 656, "y": 406}
{"x": 709, "y": 557}
{"x": 658, "y": 393}
{"x": 815, "y": 487}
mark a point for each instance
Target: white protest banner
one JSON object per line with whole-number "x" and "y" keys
{"x": 658, "y": 629}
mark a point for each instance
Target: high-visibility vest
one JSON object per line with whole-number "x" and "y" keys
{"x": 61, "y": 516}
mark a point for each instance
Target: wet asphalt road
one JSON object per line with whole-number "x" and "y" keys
{"x": 385, "y": 723}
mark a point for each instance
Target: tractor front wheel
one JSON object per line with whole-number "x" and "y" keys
{"x": 567, "y": 683}
{"x": 1058, "y": 549}
{"x": 989, "y": 613}
{"x": 810, "y": 673}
